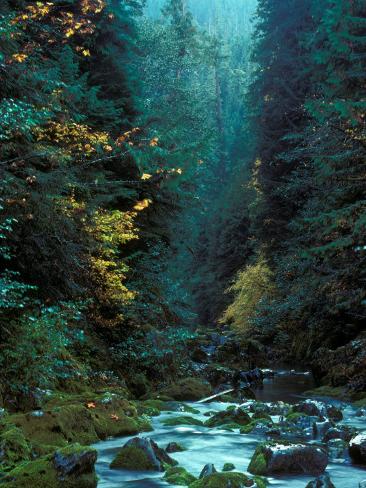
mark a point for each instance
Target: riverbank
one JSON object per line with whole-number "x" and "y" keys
{"x": 57, "y": 445}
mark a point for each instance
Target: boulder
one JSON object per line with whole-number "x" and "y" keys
{"x": 286, "y": 458}
{"x": 174, "y": 447}
{"x": 311, "y": 407}
{"x": 233, "y": 415}
{"x": 142, "y": 454}
{"x": 207, "y": 471}
{"x": 340, "y": 432}
{"x": 357, "y": 448}
{"x": 323, "y": 481}
{"x": 228, "y": 467}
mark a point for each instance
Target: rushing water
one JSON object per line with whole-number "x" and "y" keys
{"x": 214, "y": 445}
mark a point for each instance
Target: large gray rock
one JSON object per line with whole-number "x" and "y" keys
{"x": 357, "y": 448}
{"x": 142, "y": 454}
{"x": 323, "y": 481}
{"x": 278, "y": 458}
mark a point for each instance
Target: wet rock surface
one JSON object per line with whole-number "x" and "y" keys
{"x": 288, "y": 458}
{"x": 357, "y": 448}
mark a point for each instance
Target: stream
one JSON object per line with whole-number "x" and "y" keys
{"x": 215, "y": 445}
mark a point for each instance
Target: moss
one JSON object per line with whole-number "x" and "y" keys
{"x": 260, "y": 482}
{"x": 132, "y": 458}
{"x": 183, "y": 420}
{"x": 360, "y": 403}
{"x": 222, "y": 480}
{"x": 13, "y": 446}
{"x": 179, "y": 476}
{"x": 236, "y": 416}
{"x": 260, "y": 415}
{"x": 328, "y": 391}
{"x": 228, "y": 467}
{"x": 188, "y": 389}
{"x": 258, "y": 463}
{"x": 295, "y": 416}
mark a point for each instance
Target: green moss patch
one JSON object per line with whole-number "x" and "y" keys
{"x": 134, "y": 459}
{"x": 222, "y": 480}
{"x": 258, "y": 463}
{"x": 179, "y": 476}
{"x": 188, "y": 389}
{"x": 182, "y": 420}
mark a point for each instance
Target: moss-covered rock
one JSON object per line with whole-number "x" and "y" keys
{"x": 259, "y": 425}
{"x": 228, "y": 467}
{"x": 223, "y": 480}
{"x": 188, "y": 389}
{"x": 182, "y": 420}
{"x": 142, "y": 454}
{"x": 13, "y": 446}
{"x": 284, "y": 458}
{"x": 179, "y": 476}
{"x": 235, "y": 416}
{"x": 174, "y": 447}
{"x": 74, "y": 469}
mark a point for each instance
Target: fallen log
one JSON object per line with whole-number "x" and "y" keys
{"x": 204, "y": 400}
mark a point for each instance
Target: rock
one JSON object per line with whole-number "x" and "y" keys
{"x": 179, "y": 476}
{"x": 236, "y": 415}
{"x": 174, "y": 447}
{"x": 228, "y": 480}
{"x": 323, "y": 481}
{"x": 361, "y": 412}
{"x": 253, "y": 377}
{"x": 141, "y": 454}
{"x": 182, "y": 420}
{"x": 207, "y": 471}
{"x": 273, "y": 458}
{"x": 75, "y": 461}
{"x": 188, "y": 389}
{"x": 228, "y": 467}
{"x": 357, "y": 448}
{"x": 334, "y": 413}
{"x": 338, "y": 433}
{"x": 312, "y": 408}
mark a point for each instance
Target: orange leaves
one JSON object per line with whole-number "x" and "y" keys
{"x": 126, "y": 136}
{"x": 142, "y": 204}
{"x": 91, "y": 405}
{"x": 114, "y": 417}
{"x": 92, "y": 6}
{"x": 19, "y": 57}
{"x": 154, "y": 142}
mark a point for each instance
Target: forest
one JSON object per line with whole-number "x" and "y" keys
{"x": 183, "y": 243}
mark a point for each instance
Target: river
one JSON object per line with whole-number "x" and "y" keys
{"x": 215, "y": 445}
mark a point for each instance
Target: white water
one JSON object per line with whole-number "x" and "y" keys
{"x": 214, "y": 445}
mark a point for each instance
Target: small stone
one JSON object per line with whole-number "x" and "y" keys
{"x": 323, "y": 481}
